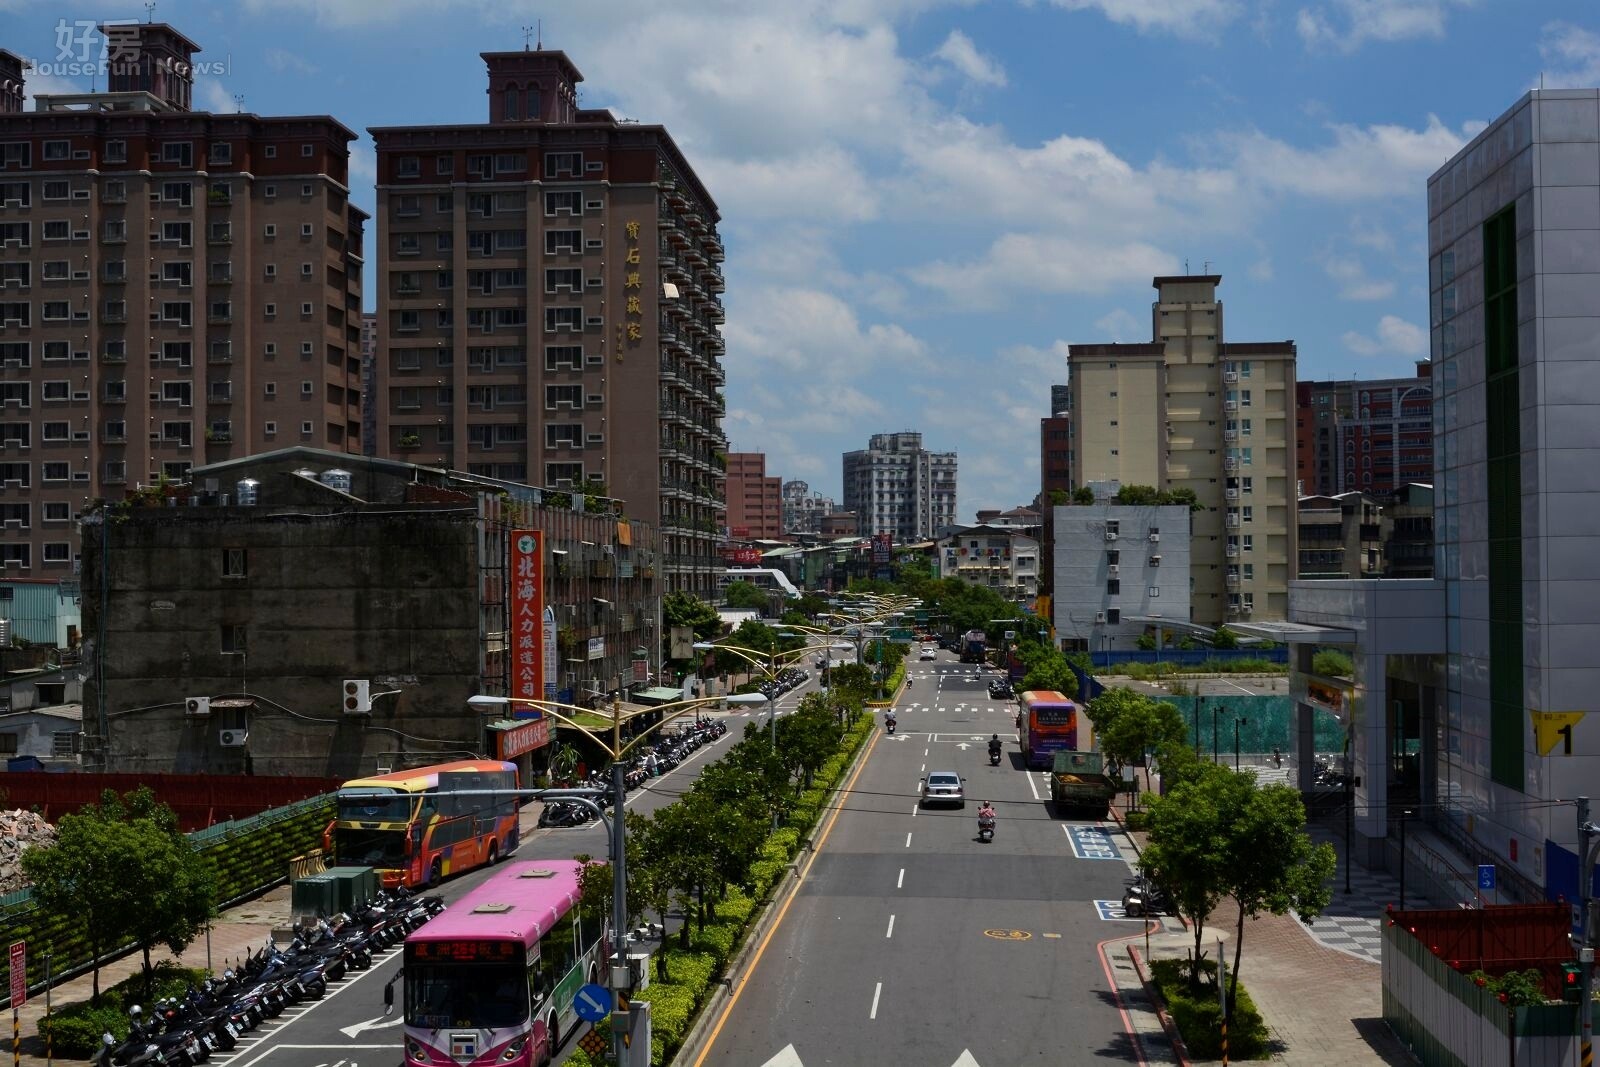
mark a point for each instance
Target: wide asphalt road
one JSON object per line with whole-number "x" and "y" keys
{"x": 910, "y": 942}
{"x": 347, "y": 1027}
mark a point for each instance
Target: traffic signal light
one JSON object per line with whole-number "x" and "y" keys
{"x": 1572, "y": 982}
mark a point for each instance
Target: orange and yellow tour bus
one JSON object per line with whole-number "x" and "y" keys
{"x": 411, "y": 827}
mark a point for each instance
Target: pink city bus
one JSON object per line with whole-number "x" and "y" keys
{"x": 491, "y": 979}
{"x": 1046, "y": 724}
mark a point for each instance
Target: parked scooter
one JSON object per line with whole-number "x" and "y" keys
{"x": 1142, "y": 897}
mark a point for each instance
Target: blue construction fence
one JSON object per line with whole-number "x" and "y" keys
{"x": 1189, "y": 657}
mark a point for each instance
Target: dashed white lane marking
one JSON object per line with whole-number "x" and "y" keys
{"x": 1033, "y": 788}
{"x": 876, "y": 992}
{"x": 899, "y": 883}
{"x": 890, "y": 932}
{"x": 908, "y": 840}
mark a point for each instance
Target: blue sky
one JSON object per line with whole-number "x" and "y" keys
{"x": 925, "y": 201}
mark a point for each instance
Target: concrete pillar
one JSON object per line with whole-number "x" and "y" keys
{"x": 1370, "y": 738}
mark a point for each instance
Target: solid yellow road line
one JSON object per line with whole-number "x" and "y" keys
{"x": 755, "y": 961}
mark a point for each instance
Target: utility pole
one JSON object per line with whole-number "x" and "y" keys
{"x": 1586, "y": 859}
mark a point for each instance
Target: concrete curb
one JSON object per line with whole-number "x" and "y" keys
{"x": 1179, "y": 1049}
{"x": 734, "y": 974}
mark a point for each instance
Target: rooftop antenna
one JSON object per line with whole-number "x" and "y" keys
{"x": 527, "y": 34}
{"x": 149, "y": 10}
{"x": 538, "y": 25}
{"x": 238, "y": 102}
{"x": 1186, "y": 264}
{"x": 1206, "y": 268}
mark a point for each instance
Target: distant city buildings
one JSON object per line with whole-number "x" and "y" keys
{"x": 803, "y": 510}
{"x": 177, "y": 287}
{"x": 896, "y": 486}
{"x": 1341, "y": 536}
{"x": 1190, "y": 409}
{"x": 755, "y": 501}
{"x": 549, "y": 305}
{"x": 1367, "y": 436}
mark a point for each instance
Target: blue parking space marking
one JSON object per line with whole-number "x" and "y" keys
{"x": 1092, "y": 843}
{"x": 1111, "y": 911}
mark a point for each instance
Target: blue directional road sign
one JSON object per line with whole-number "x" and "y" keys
{"x": 1485, "y": 876}
{"x": 592, "y": 1002}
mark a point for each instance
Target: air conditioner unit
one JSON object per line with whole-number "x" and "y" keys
{"x": 1155, "y": 538}
{"x": 1230, "y": 375}
{"x": 232, "y": 738}
{"x": 1232, "y": 492}
{"x": 1113, "y": 569}
{"x": 357, "y": 696}
{"x": 1111, "y": 535}
{"x": 1099, "y": 616}
{"x": 198, "y": 707}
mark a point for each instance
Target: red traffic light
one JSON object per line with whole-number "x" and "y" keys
{"x": 1572, "y": 982}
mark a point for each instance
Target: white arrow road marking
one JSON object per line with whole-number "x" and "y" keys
{"x": 371, "y": 1024}
{"x": 962, "y": 745}
{"x": 966, "y": 1059}
{"x": 786, "y": 1058}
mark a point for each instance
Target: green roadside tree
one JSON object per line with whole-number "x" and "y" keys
{"x": 686, "y": 609}
{"x": 1145, "y": 727}
{"x": 125, "y": 873}
{"x": 1273, "y": 865}
{"x": 1083, "y": 495}
{"x": 1190, "y": 845}
{"x": 1105, "y": 709}
{"x": 743, "y": 594}
{"x": 1224, "y": 638}
{"x": 811, "y": 605}
{"x": 1137, "y": 495}
{"x": 1051, "y": 671}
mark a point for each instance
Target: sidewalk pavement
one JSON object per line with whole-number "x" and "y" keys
{"x": 1323, "y": 1004}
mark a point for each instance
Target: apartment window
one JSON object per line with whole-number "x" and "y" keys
{"x": 56, "y": 431}
{"x": 445, "y": 279}
{"x": 1247, "y": 542}
{"x": 177, "y": 193}
{"x": 562, "y": 241}
{"x": 180, "y": 153}
{"x": 114, "y": 192}
{"x": 556, "y": 280}
{"x": 563, "y": 357}
{"x": 1247, "y": 513}
{"x": 57, "y": 190}
{"x": 270, "y": 270}
{"x": 56, "y": 471}
{"x": 57, "y": 511}
{"x": 269, "y": 192}
{"x": 408, "y": 244}
{"x": 56, "y": 311}
{"x": 222, "y": 152}
{"x": 16, "y": 154}
{"x": 563, "y": 435}
{"x": 563, "y": 318}
{"x": 306, "y": 229}
{"x": 408, "y": 321}
{"x": 56, "y": 270}
{"x": 1244, "y": 457}
{"x": 269, "y": 310}
{"x": 563, "y": 203}
{"x": 305, "y": 308}
{"x": 563, "y": 396}
{"x": 233, "y": 638}
{"x": 269, "y": 389}
{"x": 307, "y": 388}
{"x": 1113, "y": 586}
{"x": 114, "y": 432}
{"x": 407, "y": 207}
{"x": 116, "y": 152}
{"x": 269, "y": 151}
{"x": 58, "y": 552}
{"x": 177, "y": 431}
{"x": 178, "y": 233}
{"x": 57, "y": 150}
{"x": 444, "y": 165}
{"x": 306, "y": 191}
{"x": 510, "y": 163}
{"x": 176, "y": 311}
{"x": 57, "y": 230}
{"x": 307, "y": 151}
{"x": 563, "y": 164}
{"x": 445, "y": 241}
{"x": 408, "y": 166}
{"x": 445, "y": 357}
{"x": 269, "y": 428}
{"x": 1244, "y": 398}
{"x": 1249, "y": 570}
{"x": 307, "y": 428}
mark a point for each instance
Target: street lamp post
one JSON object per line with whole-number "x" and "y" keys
{"x": 1238, "y": 722}
{"x": 1198, "y": 700}
{"x": 620, "y": 976}
{"x": 1216, "y": 756}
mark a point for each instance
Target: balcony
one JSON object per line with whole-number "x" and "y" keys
{"x": 220, "y": 237}
{"x": 218, "y": 435}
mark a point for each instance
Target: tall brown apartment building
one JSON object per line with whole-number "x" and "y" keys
{"x": 176, "y": 288}
{"x": 755, "y": 501}
{"x": 1367, "y": 436}
{"x": 548, "y": 306}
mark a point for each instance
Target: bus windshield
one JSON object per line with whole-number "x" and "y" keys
{"x": 488, "y": 996}
{"x": 375, "y": 807}
{"x": 368, "y": 848}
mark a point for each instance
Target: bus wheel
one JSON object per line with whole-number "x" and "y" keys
{"x": 552, "y": 1031}
{"x": 436, "y": 872}
{"x": 494, "y": 853}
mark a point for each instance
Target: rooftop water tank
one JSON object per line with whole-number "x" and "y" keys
{"x": 245, "y": 492}
{"x": 337, "y": 478}
{"x": 307, "y": 472}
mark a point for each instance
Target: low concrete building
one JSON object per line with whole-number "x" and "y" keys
{"x": 237, "y": 607}
{"x": 998, "y": 557}
{"x": 1408, "y": 547}
{"x": 1118, "y": 569}
{"x": 1341, "y": 536}
{"x": 42, "y": 738}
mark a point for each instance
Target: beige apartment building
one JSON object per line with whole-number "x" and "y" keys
{"x": 1190, "y": 409}
{"x": 548, "y": 306}
{"x": 177, "y": 288}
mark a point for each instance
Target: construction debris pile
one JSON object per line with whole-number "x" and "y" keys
{"x": 19, "y": 831}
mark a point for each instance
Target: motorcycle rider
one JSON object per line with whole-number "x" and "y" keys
{"x": 994, "y": 745}
{"x": 986, "y": 816}
{"x": 889, "y": 722}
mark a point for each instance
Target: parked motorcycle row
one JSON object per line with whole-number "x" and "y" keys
{"x": 212, "y": 1017}
{"x": 1142, "y": 897}
{"x": 672, "y": 749}
{"x": 785, "y": 680}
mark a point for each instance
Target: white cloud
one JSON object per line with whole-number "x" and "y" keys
{"x": 823, "y": 183}
{"x": 814, "y": 335}
{"x": 1395, "y": 336}
{"x": 35, "y": 84}
{"x": 1354, "y": 283}
{"x": 959, "y": 51}
{"x": 1573, "y": 54}
{"x": 1121, "y": 326}
{"x": 1347, "y": 24}
{"x": 1020, "y": 264}
{"x": 1261, "y": 270}
{"x": 1368, "y": 162}
{"x": 282, "y": 60}
{"x": 211, "y": 95}
{"x": 1185, "y": 18}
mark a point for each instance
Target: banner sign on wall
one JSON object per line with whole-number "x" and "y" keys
{"x": 528, "y": 666}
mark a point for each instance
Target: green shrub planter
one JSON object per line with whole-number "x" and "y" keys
{"x": 1198, "y": 1016}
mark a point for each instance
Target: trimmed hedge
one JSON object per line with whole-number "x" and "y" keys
{"x": 1198, "y": 1017}
{"x": 677, "y": 999}
{"x": 76, "y": 1027}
